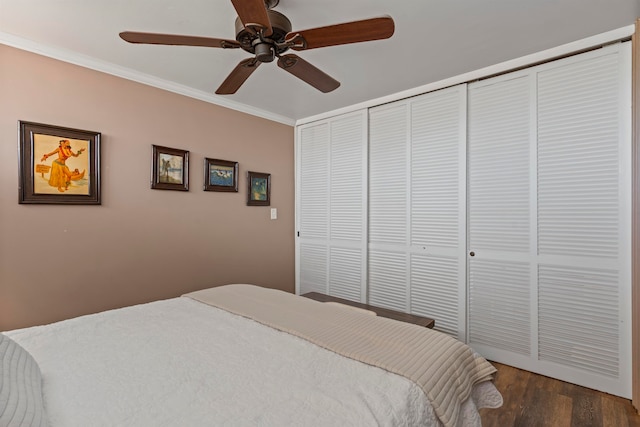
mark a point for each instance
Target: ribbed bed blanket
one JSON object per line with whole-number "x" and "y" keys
{"x": 444, "y": 368}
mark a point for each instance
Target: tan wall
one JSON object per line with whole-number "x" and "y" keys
{"x": 140, "y": 245}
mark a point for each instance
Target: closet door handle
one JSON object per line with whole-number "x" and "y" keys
{"x": 472, "y": 253}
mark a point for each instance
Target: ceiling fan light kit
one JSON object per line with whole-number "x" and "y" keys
{"x": 268, "y": 34}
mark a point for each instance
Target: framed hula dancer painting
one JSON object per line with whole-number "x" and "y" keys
{"x": 58, "y": 165}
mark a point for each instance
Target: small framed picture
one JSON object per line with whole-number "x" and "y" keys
{"x": 58, "y": 165}
{"x": 220, "y": 175}
{"x": 170, "y": 169}
{"x": 259, "y": 189}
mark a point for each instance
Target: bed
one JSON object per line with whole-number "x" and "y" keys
{"x": 239, "y": 355}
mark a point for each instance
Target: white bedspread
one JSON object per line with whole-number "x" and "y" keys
{"x": 179, "y": 362}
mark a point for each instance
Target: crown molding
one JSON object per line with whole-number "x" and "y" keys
{"x": 129, "y": 74}
{"x": 503, "y": 67}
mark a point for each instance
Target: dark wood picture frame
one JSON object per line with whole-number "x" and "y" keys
{"x": 70, "y": 157}
{"x": 170, "y": 168}
{"x": 258, "y": 189}
{"x": 220, "y": 175}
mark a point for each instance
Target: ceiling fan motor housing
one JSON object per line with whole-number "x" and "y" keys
{"x": 264, "y": 48}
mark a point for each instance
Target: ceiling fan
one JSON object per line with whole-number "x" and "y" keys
{"x": 267, "y": 34}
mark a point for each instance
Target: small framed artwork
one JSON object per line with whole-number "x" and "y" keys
{"x": 220, "y": 175}
{"x": 170, "y": 169}
{"x": 259, "y": 189}
{"x": 58, "y": 165}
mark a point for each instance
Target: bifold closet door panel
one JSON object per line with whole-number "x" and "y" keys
{"x": 348, "y": 206}
{"x": 313, "y": 213}
{"x": 438, "y": 209}
{"x": 388, "y": 206}
{"x": 499, "y": 216}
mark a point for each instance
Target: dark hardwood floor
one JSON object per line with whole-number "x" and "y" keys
{"x": 534, "y": 400}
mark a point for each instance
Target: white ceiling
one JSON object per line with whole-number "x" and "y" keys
{"x": 434, "y": 40}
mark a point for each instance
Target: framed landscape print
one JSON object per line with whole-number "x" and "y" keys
{"x": 58, "y": 165}
{"x": 259, "y": 189}
{"x": 220, "y": 175}
{"x": 170, "y": 169}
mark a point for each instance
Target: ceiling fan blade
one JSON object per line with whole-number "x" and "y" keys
{"x": 238, "y": 76}
{"x": 308, "y": 73}
{"x": 253, "y": 14}
{"x": 172, "y": 39}
{"x": 349, "y": 32}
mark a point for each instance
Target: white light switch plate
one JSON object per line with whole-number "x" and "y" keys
{"x": 274, "y": 213}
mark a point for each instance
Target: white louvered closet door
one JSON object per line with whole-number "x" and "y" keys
{"x": 388, "y": 194}
{"x": 417, "y": 209}
{"x": 313, "y": 214}
{"x": 332, "y": 198}
{"x": 550, "y": 219}
{"x": 499, "y": 206}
